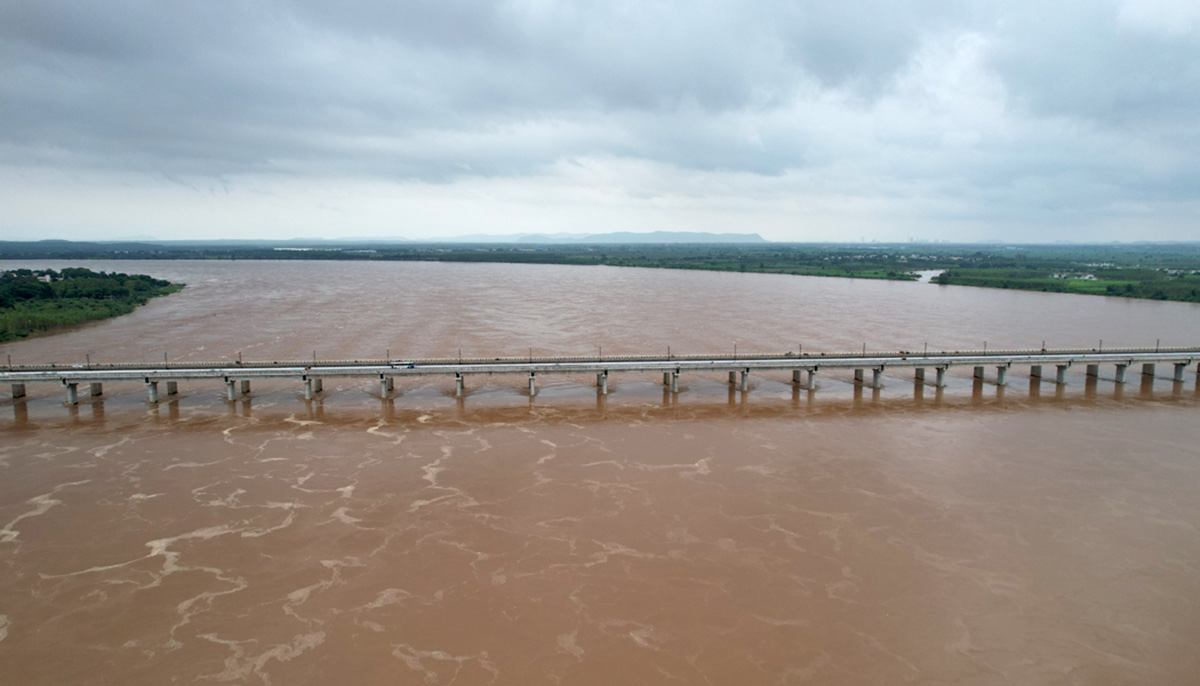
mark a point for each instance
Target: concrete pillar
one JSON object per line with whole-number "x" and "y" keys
{"x": 732, "y": 378}
{"x": 674, "y": 382}
{"x": 602, "y": 382}
{"x": 318, "y": 386}
{"x": 1148, "y": 369}
{"x": 858, "y": 376}
{"x": 308, "y": 388}
{"x": 745, "y": 380}
{"x": 876, "y": 376}
{"x": 1001, "y": 375}
{"x": 666, "y": 378}
{"x": 1121, "y": 373}
{"x": 458, "y": 386}
{"x": 383, "y": 387}
{"x": 172, "y": 388}
{"x": 1179, "y": 367}
{"x": 1060, "y": 377}
{"x": 152, "y": 392}
{"x": 1035, "y": 371}
{"x": 245, "y": 385}
{"x": 96, "y": 389}
{"x": 532, "y": 385}
{"x": 18, "y": 390}
{"x": 919, "y": 374}
{"x": 1093, "y": 370}
{"x": 812, "y": 380}
{"x": 230, "y": 390}
{"x": 941, "y": 377}
{"x": 979, "y": 372}
{"x": 796, "y": 377}
{"x": 72, "y": 394}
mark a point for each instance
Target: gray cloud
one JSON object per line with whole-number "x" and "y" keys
{"x": 976, "y": 108}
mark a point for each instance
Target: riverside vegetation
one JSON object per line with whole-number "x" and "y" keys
{"x": 44, "y": 299}
{"x": 1159, "y": 271}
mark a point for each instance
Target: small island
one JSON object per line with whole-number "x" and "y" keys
{"x": 33, "y": 300}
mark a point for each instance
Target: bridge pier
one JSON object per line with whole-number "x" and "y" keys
{"x": 94, "y": 378}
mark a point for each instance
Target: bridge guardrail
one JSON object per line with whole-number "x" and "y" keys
{"x": 724, "y": 357}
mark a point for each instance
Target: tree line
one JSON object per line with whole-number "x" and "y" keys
{"x": 45, "y": 299}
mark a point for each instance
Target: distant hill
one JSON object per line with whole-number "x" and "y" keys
{"x": 620, "y": 237}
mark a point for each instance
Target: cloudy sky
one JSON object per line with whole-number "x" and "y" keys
{"x": 878, "y": 120}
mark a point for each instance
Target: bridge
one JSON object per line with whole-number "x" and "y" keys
{"x": 804, "y": 367}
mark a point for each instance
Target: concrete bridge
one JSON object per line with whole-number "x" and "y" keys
{"x": 237, "y": 376}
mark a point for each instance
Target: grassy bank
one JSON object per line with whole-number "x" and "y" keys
{"x": 1130, "y": 282}
{"x": 43, "y": 300}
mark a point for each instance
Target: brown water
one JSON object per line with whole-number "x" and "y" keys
{"x": 1027, "y": 535}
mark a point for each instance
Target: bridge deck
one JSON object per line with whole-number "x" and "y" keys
{"x": 576, "y": 365}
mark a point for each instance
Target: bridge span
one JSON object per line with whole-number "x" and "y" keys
{"x": 237, "y": 376}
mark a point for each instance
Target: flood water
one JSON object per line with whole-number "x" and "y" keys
{"x": 1030, "y": 534}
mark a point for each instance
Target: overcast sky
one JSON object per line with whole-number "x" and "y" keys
{"x": 884, "y": 119}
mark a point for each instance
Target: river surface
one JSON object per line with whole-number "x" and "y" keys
{"x": 1030, "y": 534}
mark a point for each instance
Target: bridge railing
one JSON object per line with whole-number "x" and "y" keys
{"x": 726, "y": 356}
